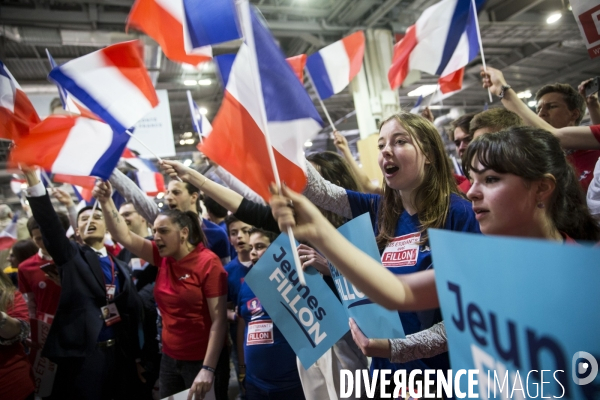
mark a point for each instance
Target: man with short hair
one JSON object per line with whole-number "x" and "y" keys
{"x": 493, "y": 120}
{"x": 41, "y": 292}
{"x": 95, "y": 356}
{"x": 459, "y": 133}
{"x": 560, "y": 109}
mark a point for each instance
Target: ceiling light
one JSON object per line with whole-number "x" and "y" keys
{"x": 424, "y": 90}
{"x": 182, "y": 142}
{"x": 203, "y": 110}
{"x": 160, "y": 205}
{"x": 187, "y": 162}
{"x": 205, "y": 82}
{"x": 532, "y": 103}
{"x": 570, "y": 8}
{"x": 308, "y": 143}
{"x": 187, "y": 135}
{"x": 190, "y": 82}
{"x": 553, "y": 18}
{"x": 524, "y": 95}
{"x": 189, "y": 141}
{"x": 160, "y": 195}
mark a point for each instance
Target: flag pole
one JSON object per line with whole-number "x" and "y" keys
{"x": 194, "y": 122}
{"x": 312, "y": 83}
{"x": 474, "y": 6}
{"x": 246, "y": 19}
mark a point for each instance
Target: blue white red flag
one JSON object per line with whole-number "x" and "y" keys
{"x": 442, "y": 42}
{"x": 238, "y": 142}
{"x": 17, "y": 115}
{"x": 417, "y": 106}
{"x": 210, "y": 22}
{"x": 71, "y": 145}
{"x": 333, "y": 67}
{"x": 200, "y": 123}
{"x": 113, "y": 83}
{"x": 164, "y": 21}
{"x": 148, "y": 178}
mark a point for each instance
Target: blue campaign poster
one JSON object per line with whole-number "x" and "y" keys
{"x": 525, "y": 313}
{"x": 374, "y": 320}
{"x": 310, "y": 317}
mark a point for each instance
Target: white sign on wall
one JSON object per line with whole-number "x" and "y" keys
{"x": 155, "y": 130}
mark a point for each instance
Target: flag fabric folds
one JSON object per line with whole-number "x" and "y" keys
{"x": 112, "y": 82}
{"x": 200, "y": 123}
{"x": 334, "y": 66}
{"x": 71, "y": 145}
{"x": 67, "y": 101}
{"x": 17, "y": 115}
{"x": 441, "y": 42}
{"x": 148, "y": 178}
{"x": 297, "y": 63}
{"x": 209, "y": 22}
{"x": 163, "y": 21}
{"x": 238, "y": 140}
{"x": 417, "y": 106}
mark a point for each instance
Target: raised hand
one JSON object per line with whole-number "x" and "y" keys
{"x": 102, "y": 191}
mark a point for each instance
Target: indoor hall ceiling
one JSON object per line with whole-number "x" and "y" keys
{"x": 515, "y": 37}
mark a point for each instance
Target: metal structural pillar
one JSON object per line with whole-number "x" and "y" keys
{"x": 373, "y": 98}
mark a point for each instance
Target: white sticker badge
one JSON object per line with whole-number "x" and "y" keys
{"x": 260, "y": 332}
{"x": 402, "y": 251}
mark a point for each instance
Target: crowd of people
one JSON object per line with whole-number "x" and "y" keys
{"x": 162, "y": 306}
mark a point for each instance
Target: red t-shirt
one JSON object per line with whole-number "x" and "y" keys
{"x": 16, "y": 377}
{"x": 181, "y": 290}
{"x": 596, "y": 131}
{"x": 33, "y": 280}
{"x": 584, "y": 162}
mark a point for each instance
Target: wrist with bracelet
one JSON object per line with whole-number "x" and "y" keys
{"x": 206, "y": 367}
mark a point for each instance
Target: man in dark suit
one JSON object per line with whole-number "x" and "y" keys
{"x": 96, "y": 355}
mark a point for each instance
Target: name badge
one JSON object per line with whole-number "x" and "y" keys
{"x": 110, "y": 314}
{"x": 110, "y": 292}
{"x": 260, "y": 332}
{"x": 402, "y": 251}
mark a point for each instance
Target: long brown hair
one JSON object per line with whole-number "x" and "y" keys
{"x": 7, "y": 292}
{"x": 432, "y": 195}
{"x": 531, "y": 153}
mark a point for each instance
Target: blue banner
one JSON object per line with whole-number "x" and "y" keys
{"x": 310, "y": 317}
{"x": 374, "y": 320}
{"x": 525, "y": 313}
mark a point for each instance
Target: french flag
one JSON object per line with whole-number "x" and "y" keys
{"x": 333, "y": 67}
{"x": 82, "y": 185}
{"x": 442, "y": 42}
{"x": 200, "y": 123}
{"x": 71, "y": 145}
{"x": 17, "y": 115}
{"x": 298, "y": 63}
{"x": 112, "y": 83}
{"x": 238, "y": 141}
{"x": 417, "y": 106}
{"x": 164, "y": 21}
{"x": 148, "y": 178}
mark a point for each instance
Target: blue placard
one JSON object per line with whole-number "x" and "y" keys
{"x": 521, "y": 305}
{"x": 311, "y": 318}
{"x": 374, "y": 320}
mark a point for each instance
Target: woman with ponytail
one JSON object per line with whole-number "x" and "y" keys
{"x": 190, "y": 291}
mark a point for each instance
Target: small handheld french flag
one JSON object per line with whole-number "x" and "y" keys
{"x": 333, "y": 67}
{"x": 113, "y": 83}
{"x": 17, "y": 114}
{"x": 71, "y": 145}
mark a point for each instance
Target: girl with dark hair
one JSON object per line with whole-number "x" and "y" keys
{"x": 523, "y": 185}
{"x": 419, "y": 193}
{"x": 16, "y": 379}
{"x": 20, "y": 251}
{"x": 190, "y": 291}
